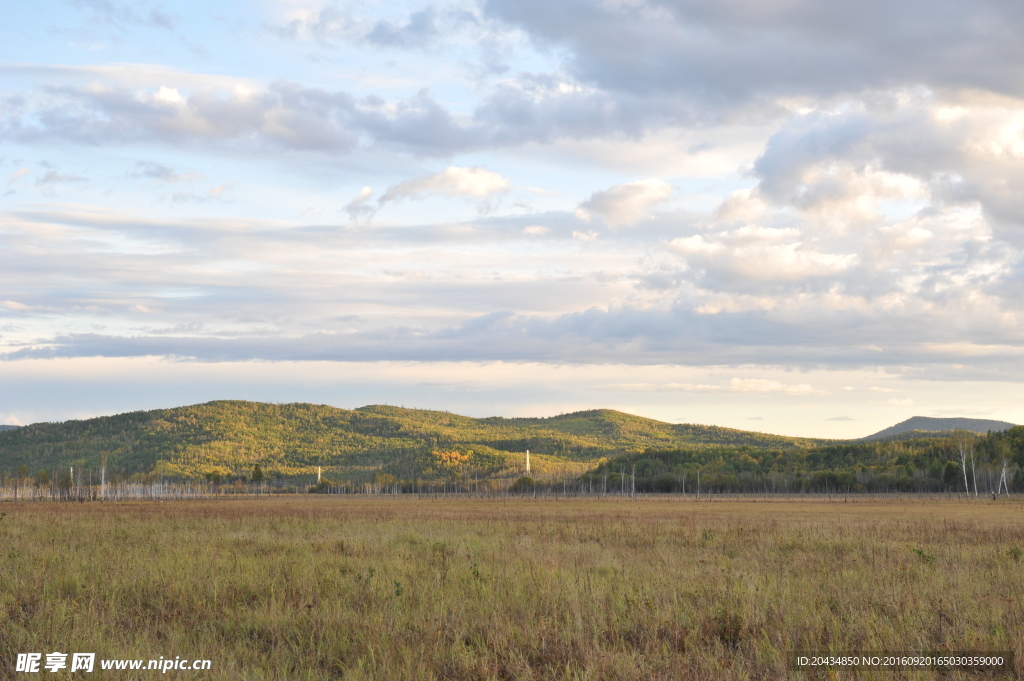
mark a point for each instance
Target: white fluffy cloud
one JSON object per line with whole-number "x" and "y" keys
{"x": 477, "y": 184}
{"x": 624, "y": 204}
{"x": 760, "y": 254}
{"x": 958, "y": 151}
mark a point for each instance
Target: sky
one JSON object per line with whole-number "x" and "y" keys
{"x": 802, "y": 217}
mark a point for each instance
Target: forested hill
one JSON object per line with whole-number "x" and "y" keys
{"x": 924, "y": 426}
{"x": 226, "y": 438}
{"x": 918, "y": 464}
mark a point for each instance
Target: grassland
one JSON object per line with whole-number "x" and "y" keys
{"x": 365, "y": 588}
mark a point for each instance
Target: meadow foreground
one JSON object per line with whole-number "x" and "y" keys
{"x": 365, "y": 588}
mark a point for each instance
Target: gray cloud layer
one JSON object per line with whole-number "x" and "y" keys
{"x": 594, "y": 336}
{"x": 718, "y": 294}
{"x": 719, "y": 52}
{"x": 290, "y": 116}
{"x": 631, "y": 68}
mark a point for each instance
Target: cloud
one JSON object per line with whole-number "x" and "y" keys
{"x": 151, "y": 170}
{"x": 663, "y": 387}
{"x": 117, "y": 15}
{"x": 840, "y": 418}
{"x": 54, "y": 177}
{"x": 746, "y": 258}
{"x": 841, "y": 165}
{"x": 478, "y": 290}
{"x": 420, "y": 31}
{"x": 327, "y": 26}
{"x": 900, "y": 403}
{"x": 725, "y": 54}
{"x": 630, "y": 69}
{"x": 200, "y": 197}
{"x": 736, "y": 385}
{"x": 847, "y": 191}
{"x": 359, "y": 204}
{"x": 476, "y": 184}
{"x": 867, "y": 212}
{"x": 628, "y": 336}
{"x": 284, "y": 115}
{"x": 333, "y": 26}
{"x": 761, "y": 385}
{"x": 216, "y": 116}
{"x": 17, "y": 175}
{"x": 624, "y": 204}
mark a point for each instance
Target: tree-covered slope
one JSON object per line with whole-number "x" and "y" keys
{"x": 926, "y": 464}
{"x": 229, "y": 437}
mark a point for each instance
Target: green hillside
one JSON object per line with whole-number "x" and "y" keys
{"x": 227, "y": 438}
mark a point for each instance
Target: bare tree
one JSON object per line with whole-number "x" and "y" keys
{"x": 1004, "y": 460}
{"x": 974, "y": 473}
{"x": 103, "y": 475}
{"x": 963, "y": 440}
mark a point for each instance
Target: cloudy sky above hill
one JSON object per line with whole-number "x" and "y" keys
{"x": 803, "y": 217}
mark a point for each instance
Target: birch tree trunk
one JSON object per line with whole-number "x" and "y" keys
{"x": 964, "y": 448}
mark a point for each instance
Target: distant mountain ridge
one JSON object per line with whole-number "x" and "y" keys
{"x": 228, "y": 438}
{"x": 926, "y": 424}
{"x": 6, "y": 427}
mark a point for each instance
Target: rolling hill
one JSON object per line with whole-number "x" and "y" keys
{"x": 226, "y": 438}
{"x": 923, "y": 426}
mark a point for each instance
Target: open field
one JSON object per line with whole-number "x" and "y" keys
{"x": 370, "y": 588}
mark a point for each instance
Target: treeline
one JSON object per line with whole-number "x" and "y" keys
{"x": 991, "y": 463}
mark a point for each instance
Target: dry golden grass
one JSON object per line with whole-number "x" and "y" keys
{"x": 364, "y": 588}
